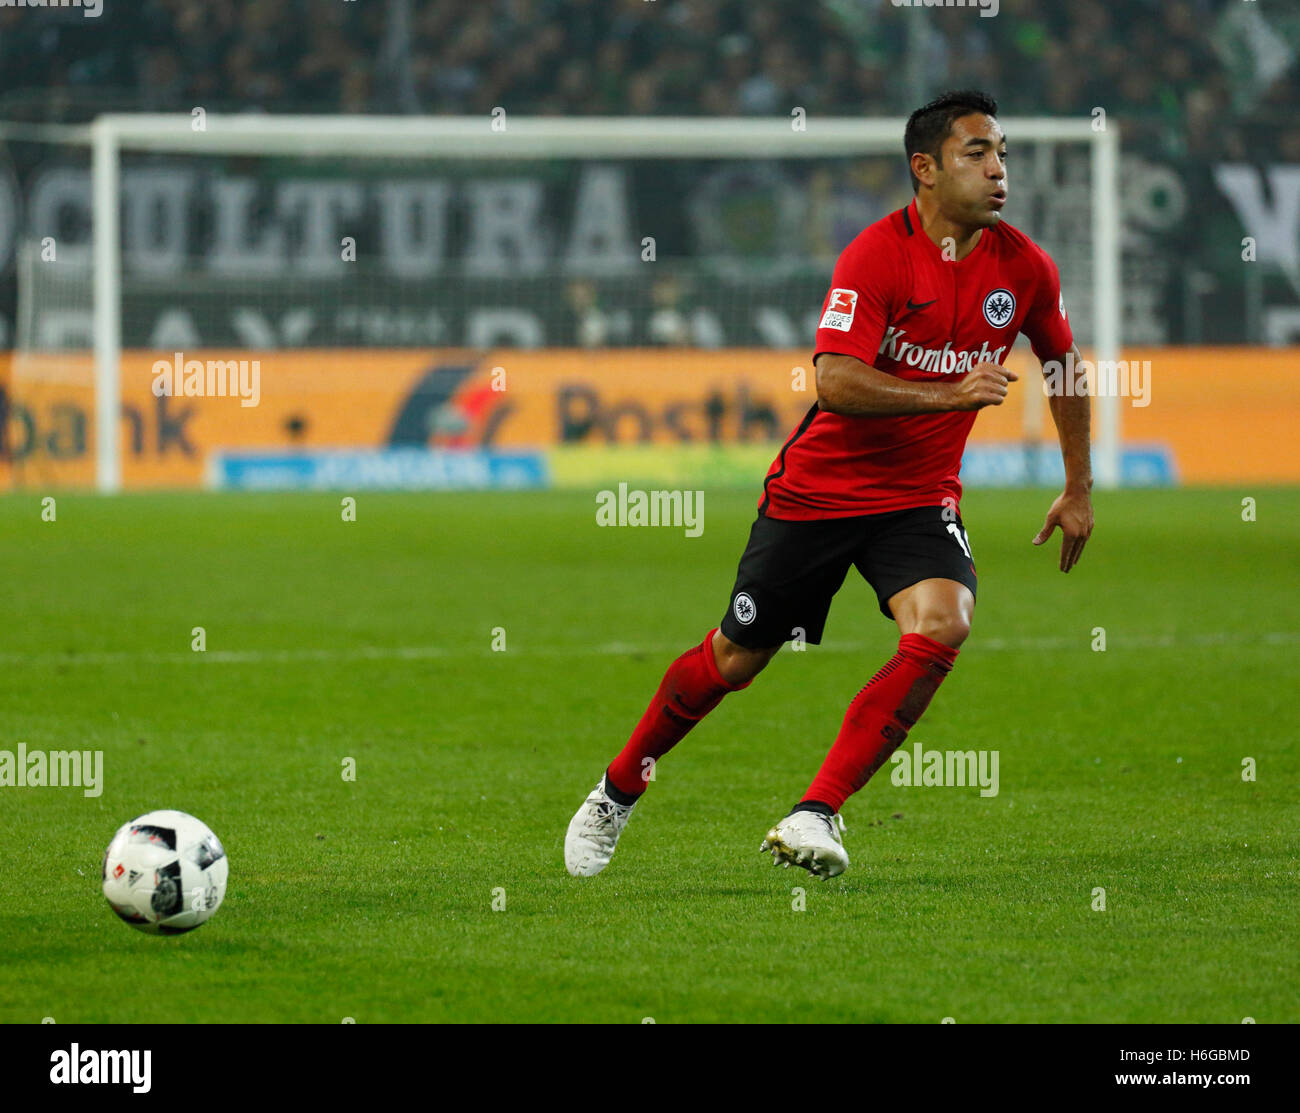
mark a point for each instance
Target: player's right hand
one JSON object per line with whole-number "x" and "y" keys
{"x": 985, "y": 384}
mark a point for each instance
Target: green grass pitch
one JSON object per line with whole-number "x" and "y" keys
{"x": 373, "y": 899}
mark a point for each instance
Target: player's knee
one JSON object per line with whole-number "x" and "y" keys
{"x": 950, "y": 629}
{"x": 736, "y": 664}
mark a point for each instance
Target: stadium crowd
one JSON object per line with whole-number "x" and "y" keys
{"x": 1178, "y": 72}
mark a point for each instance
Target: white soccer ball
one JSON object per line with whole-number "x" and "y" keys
{"x": 165, "y": 873}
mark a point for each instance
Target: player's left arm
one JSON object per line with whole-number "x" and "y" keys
{"x": 1072, "y": 510}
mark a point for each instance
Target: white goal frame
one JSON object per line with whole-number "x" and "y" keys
{"x": 461, "y": 137}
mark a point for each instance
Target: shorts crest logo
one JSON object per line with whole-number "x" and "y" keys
{"x": 743, "y": 608}
{"x": 840, "y": 307}
{"x": 1000, "y": 307}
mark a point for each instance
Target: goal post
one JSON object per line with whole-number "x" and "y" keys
{"x": 539, "y": 138}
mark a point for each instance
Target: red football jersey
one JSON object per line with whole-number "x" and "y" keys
{"x": 895, "y": 303}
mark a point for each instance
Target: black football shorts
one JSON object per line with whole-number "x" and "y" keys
{"x": 791, "y": 570}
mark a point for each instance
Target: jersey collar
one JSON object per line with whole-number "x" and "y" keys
{"x": 912, "y": 226}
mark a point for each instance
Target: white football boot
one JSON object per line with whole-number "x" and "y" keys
{"x": 810, "y": 840}
{"x": 593, "y": 833}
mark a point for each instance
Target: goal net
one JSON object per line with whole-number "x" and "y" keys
{"x": 253, "y": 301}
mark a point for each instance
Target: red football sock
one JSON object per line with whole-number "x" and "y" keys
{"x": 690, "y": 689}
{"x": 880, "y": 716}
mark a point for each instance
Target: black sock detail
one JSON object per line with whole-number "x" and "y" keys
{"x": 813, "y": 806}
{"x": 615, "y": 794}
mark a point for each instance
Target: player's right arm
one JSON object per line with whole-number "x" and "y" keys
{"x": 846, "y": 385}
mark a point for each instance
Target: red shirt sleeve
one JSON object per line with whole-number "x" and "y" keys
{"x": 856, "y": 310}
{"x": 1046, "y": 323}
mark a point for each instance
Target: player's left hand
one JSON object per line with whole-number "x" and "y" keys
{"x": 1072, "y": 511}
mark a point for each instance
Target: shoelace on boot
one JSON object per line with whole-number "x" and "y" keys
{"x": 831, "y": 820}
{"x": 602, "y": 825}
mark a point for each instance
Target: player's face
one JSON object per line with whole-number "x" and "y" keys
{"x": 971, "y": 187}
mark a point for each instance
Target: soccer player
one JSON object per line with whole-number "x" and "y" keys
{"x": 924, "y": 306}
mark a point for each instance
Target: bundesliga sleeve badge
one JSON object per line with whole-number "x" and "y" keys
{"x": 840, "y": 308}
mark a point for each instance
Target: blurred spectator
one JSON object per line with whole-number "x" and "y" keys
{"x": 668, "y": 323}
{"x": 590, "y": 323}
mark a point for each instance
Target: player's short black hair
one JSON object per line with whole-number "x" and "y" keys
{"x": 931, "y": 124}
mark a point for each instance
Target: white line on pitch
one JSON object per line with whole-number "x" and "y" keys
{"x": 613, "y": 649}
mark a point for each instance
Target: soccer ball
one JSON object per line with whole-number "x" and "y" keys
{"x": 165, "y": 873}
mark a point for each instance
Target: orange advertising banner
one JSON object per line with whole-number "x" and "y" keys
{"x": 1224, "y": 414}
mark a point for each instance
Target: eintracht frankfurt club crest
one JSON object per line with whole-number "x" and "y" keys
{"x": 999, "y": 308}
{"x": 744, "y": 609}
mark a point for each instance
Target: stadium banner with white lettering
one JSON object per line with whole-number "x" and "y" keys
{"x": 218, "y": 249}
{"x": 508, "y": 418}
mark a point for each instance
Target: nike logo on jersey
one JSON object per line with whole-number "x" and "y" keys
{"x": 920, "y": 304}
